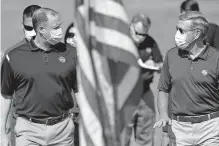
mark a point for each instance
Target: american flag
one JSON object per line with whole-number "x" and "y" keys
{"x": 108, "y": 74}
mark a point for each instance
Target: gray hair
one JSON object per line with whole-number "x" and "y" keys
{"x": 40, "y": 16}
{"x": 198, "y": 21}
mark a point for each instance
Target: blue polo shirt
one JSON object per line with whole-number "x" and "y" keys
{"x": 192, "y": 85}
{"x": 41, "y": 80}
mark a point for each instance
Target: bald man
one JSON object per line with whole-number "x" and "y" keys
{"x": 150, "y": 62}
{"x": 42, "y": 74}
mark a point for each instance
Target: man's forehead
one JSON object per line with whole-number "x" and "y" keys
{"x": 139, "y": 27}
{"x": 54, "y": 20}
{"x": 184, "y": 23}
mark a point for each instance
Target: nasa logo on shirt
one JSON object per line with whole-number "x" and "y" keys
{"x": 62, "y": 59}
{"x": 148, "y": 50}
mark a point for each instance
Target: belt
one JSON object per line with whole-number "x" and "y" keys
{"x": 47, "y": 121}
{"x": 196, "y": 119}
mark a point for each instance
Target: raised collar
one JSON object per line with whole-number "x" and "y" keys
{"x": 203, "y": 55}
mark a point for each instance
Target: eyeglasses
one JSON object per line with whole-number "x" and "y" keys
{"x": 28, "y": 28}
{"x": 141, "y": 34}
{"x": 182, "y": 31}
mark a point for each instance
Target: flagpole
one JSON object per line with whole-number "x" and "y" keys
{"x": 117, "y": 115}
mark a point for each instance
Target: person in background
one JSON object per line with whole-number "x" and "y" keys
{"x": 70, "y": 39}
{"x": 150, "y": 62}
{"x": 212, "y": 36}
{"x": 42, "y": 75}
{"x": 28, "y": 34}
{"x": 189, "y": 80}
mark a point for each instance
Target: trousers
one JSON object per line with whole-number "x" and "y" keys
{"x": 33, "y": 134}
{"x": 142, "y": 123}
{"x": 194, "y": 134}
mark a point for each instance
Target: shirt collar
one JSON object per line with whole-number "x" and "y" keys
{"x": 34, "y": 47}
{"x": 203, "y": 55}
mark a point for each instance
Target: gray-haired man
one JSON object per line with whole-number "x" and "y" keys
{"x": 190, "y": 80}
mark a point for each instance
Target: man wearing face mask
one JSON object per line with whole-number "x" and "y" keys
{"x": 42, "y": 74}
{"x": 189, "y": 79}
{"x": 27, "y": 21}
{"x": 28, "y": 33}
{"x": 150, "y": 62}
{"x": 212, "y": 36}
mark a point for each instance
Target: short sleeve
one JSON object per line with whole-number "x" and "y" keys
{"x": 7, "y": 77}
{"x": 165, "y": 78}
{"x": 156, "y": 54}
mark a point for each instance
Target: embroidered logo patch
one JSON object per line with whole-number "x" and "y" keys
{"x": 148, "y": 50}
{"x": 62, "y": 59}
{"x": 204, "y": 72}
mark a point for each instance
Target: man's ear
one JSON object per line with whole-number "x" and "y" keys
{"x": 199, "y": 33}
{"x": 41, "y": 29}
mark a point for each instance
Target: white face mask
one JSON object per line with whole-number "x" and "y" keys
{"x": 181, "y": 40}
{"x": 71, "y": 41}
{"x": 29, "y": 34}
{"x": 55, "y": 36}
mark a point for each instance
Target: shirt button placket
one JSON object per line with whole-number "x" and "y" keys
{"x": 45, "y": 58}
{"x": 192, "y": 68}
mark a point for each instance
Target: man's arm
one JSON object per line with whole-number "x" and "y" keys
{"x": 163, "y": 104}
{"x": 164, "y": 88}
{"x": 5, "y": 110}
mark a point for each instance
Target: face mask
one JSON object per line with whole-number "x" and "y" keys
{"x": 181, "y": 40}
{"x": 71, "y": 41}
{"x": 29, "y": 34}
{"x": 137, "y": 38}
{"x": 55, "y": 36}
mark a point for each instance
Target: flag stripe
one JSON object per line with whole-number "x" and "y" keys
{"x": 86, "y": 136}
{"x": 116, "y": 54}
{"x": 109, "y": 22}
{"x": 113, "y": 38}
{"x": 105, "y": 84}
{"x": 110, "y": 8}
{"x": 91, "y": 124}
{"x": 83, "y": 140}
{"x": 85, "y": 60}
{"x": 91, "y": 94}
{"x": 129, "y": 81}
{"x": 81, "y": 27}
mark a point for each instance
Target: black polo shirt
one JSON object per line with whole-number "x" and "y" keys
{"x": 41, "y": 80}
{"x": 192, "y": 84}
{"x": 148, "y": 49}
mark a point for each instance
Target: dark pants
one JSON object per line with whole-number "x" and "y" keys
{"x": 143, "y": 122}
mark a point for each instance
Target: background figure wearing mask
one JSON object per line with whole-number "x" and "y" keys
{"x": 70, "y": 39}
{"x": 42, "y": 74}
{"x": 150, "y": 61}
{"x": 212, "y": 36}
{"x": 28, "y": 34}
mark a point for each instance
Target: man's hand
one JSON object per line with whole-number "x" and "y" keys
{"x": 163, "y": 122}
